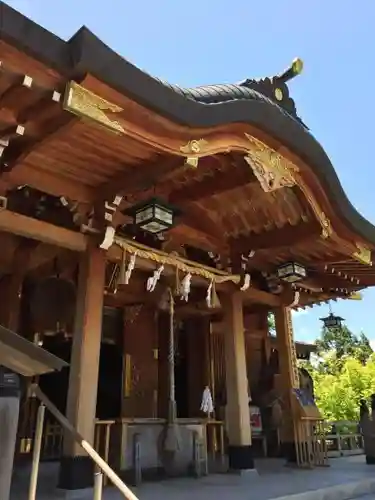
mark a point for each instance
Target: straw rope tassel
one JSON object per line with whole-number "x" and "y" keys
{"x": 172, "y": 439}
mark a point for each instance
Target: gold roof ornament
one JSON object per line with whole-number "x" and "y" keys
{"x": 294, "y": 70}
{"x": 297, "y": 66}
{"x": 363, "y": 254}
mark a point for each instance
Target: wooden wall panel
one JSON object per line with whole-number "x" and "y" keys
{"x": 140, "y": 329}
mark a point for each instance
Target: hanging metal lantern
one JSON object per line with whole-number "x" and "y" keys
{"x": 153, "y": 215}
{"x": 53, "y": 304}
{"x": 332, "y": 321}
{"x": 291, "y": 272}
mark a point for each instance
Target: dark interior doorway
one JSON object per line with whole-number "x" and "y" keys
{"x": 55, "y": 385}
{"x": 110, "y": 365}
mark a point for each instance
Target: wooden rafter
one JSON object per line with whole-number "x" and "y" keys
{"x": 276, "y": 238}
{"x": 133, "y": 180}
{"x": 29, "y": 112}
{"x": 219, "y": 183}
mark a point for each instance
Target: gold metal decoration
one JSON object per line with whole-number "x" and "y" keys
{"x": 327, "y": 230}
{"x": 192, "y": 149}
{"x": 297, "y": 66}
{"x": 272, "y": 170}
{"x": 292, "y": 348}
{"x": 355, "y": 296}
{"x": 84, "y": 103}
{"x": 279, "y": 94}
{"x": 326, "y": 225}
{"x": 363, "y": 254}
{"x": 127, "y": 375}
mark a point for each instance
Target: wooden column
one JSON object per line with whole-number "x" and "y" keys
{"x": 237, "y": 411}
{"x": 289, "y": 377}
{"x": 76, "y": 468}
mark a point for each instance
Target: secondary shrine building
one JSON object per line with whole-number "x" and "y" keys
{"x": 148, "y": 231}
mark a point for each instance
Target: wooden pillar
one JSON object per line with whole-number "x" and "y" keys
{"x": 237, "y": 411}
{"x": 289, "y": 378}
{"x": 76, "y": 468}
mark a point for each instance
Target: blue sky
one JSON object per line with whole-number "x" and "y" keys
{"x": 215, "y": 41}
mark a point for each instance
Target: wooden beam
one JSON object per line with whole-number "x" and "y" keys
{"x": 55, "y": 185}
{"x": 28, "y": 227}
{"x": 285, "y": 236}
{"x": 211, "y": 185}
{"x": 327, "y": 281}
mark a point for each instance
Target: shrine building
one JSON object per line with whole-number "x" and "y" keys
{"x": 149, "y": 233}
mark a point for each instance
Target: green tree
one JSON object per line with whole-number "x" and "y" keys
{"x": 343, "y": 373}
{"x": 343, "y": 343}
{"x": 338, "y": 391}
{"x": 271, "y": 323}
{"x": 363, "y": 348}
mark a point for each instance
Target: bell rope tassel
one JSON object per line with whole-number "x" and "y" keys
{"x": 172, "y": 437}
{"x": 153, "y": 280}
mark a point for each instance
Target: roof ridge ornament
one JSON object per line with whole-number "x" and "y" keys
{"x": 294, "y": 70}
{"x": 276, "y": 88}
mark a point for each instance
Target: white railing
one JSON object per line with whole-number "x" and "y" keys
{"x": 344, "y": 439}
{"x": 102, "y": 466}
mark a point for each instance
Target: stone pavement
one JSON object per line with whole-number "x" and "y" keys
{"x": 347, "y": 478}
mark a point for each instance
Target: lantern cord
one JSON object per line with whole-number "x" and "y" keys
{"x": 330, "y": 307}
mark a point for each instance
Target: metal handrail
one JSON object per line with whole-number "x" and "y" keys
{"x": 101, "y": 464}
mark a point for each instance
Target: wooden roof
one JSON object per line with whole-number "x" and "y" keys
{"x": 79, "y": 122}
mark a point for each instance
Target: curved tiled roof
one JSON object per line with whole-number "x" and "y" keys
{"x": 220, "y": 93}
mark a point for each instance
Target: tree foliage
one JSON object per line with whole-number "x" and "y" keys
{"x": 344, "y": 343}
{"x": 339, "y": 391}
{"x": 271, "y": 323}
{"x": 343, "y": 373}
